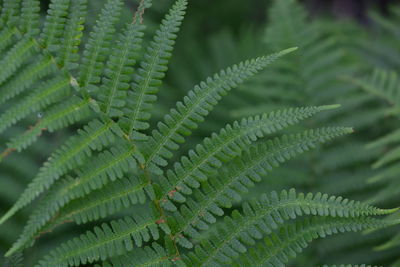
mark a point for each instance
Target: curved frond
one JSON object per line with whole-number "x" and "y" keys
{"x": 208, "y": 157}
{"x": 261, "y": 217}
{"x": 195, "y": 106}
{"x": 292, "y": 239}
{"x": 225, "y": 188}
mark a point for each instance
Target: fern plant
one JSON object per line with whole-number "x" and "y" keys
{"x": 341, "y": 47}
{"x": 114, "y": 162}
{"x": 385, "y": 85}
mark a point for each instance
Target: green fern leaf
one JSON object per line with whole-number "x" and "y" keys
{"x": 382, "y": 83}
{"x": 261, "y": 217}
{"x": 119, "y": 69}
{"x": 47, "y": 93}
{"x": 98, "y": 204}
{"x": 32, "y": 73}
{"x": 94, "y": 136}
{"x": 10, "y": 12}
{"x": 154, "y": 255}
{"x": 106, "y": 241}
{"x": 387, "y": 139}
{"x": 389, "y": 157}
{"x": 108, "y": 166}
{"x": 195, "y": 106}
{"x": 72, "y": 36}
{"x": 229, "y": 143}
{"x": 392, "y": 243}
{"x": 98, "y": 46}
{"x": 151, "y": 71}
{"x": 292, "y": 239}
{"x": 54, "y": 26}
{"x": 6, "y": 37}
{"x": 15, "y": 57}
{"x": 225, "y": 188}
{"x": 30, "y": 15}
{"x": 103, "y": 202}
{"x": 47, "y": 208}
{"x": 56, "y": 117}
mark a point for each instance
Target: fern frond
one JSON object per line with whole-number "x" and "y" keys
{"x": 195, "y": 106}
{"x": 15, "y": 57}
{"x": 280, "y": 34}
{"x": 26, "y": 78}
{"x": 222, "y": 190}
{"x": 72, "y": 35}
{"x": 382, "y": 83}
{"x": 30, "y": 15}
{"x": 56, "y": 117}
{"x": 387, "y": 139}
{"x": 46, "y": 94}
{"x": 261, "y": 217}
{"x": 10, "y": 12}
{"x": 393, "y": 242}
{"x": 119, "y": 69}
{"x": 98, "y": 204}
{"x": 98, "y": 46}
{"x": 389, "y": 157}
{"x": 385, "y": 175}
{"x": 106, "y": 241}
{"x": 108, "y": 166}
{"x": 152, "y": 70}
{"x": 229, "y": 143}
{"x": 154, "y": 255}
{"x": 390, "y": 191}
{"x": 54, "y": 26}
{"x": 6, "y": 37}
{"x": 94, "y": 136}
{"x": 16, "y": 260}
{"x": 105, "y": 201}
{"x": 292, "y": 239}
{"x": 43, "y": 214}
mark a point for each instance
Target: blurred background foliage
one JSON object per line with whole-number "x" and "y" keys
{"x": 339, "y": 42}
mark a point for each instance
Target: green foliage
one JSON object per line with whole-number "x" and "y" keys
{"x": 154, "y": 196}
